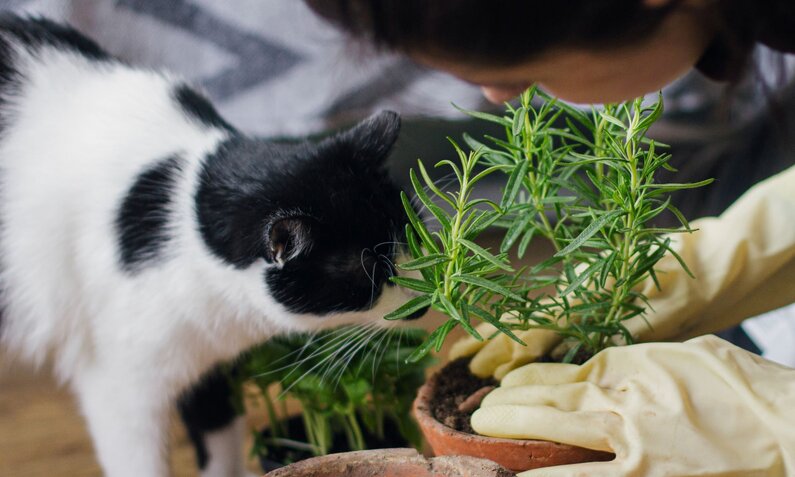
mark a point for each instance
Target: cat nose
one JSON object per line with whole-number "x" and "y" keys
{"x": 417, "y": 314}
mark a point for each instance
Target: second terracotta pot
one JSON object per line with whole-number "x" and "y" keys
{"x": 514, "y": 454}
{"x": 390, "y": 463}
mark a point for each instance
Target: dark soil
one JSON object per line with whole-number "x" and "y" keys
{"x": 278, "y": 456}
{"x": 453, "y": 402}
{"x": 454, "y": 384}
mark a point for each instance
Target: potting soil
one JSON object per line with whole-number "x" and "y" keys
{"x": 453, "y": 386}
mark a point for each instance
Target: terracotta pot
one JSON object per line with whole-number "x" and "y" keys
{"x": 514, "y": 454}
{"x": 390, "y": 463}
{"x": 295, "y": 431}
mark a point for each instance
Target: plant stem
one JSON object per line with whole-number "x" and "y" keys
{"x": 277, "y": 429}
{"x": 353, "y": 425}
{"x": 455, "y": 232}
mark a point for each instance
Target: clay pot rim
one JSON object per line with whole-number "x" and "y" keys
{"x": 422, "y": 411}
{"x": 405, "y": 462}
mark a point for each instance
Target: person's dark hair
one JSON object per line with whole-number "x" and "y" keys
{"x": 498, "y": 32}
{"x": 504, "y": 32}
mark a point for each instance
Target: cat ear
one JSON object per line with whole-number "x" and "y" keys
{"x": 287, "y": 238}
{"x": 371, "y": 139}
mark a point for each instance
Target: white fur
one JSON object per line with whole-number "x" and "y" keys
{"x": 224, "y": 447}
{"x": 127, "y": 344}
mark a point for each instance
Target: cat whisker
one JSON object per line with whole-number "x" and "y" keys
{"x": 392, "y": 243}
{"x": 380, "y": 349}
{"x": 351, "y": 354}
{"x": 338, "y": 365}
{"x": 364, "y": 267}
{"x": 373, "y": 286}
{"x": 442, "y": 183}
{"x": 363, "y": 339}
{"x": 333, "y": 338}
{"x": 391, "y": 267}
{"x": 315, "y": 366}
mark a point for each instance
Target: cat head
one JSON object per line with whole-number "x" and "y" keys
{"x": 322, "y": 219}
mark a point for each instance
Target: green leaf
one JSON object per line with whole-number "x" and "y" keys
{"x": 452, "y": 165}
{"x": 426, "y": 261}
{"x": 430, "y": 342}
{"x": 434, "y": 209}
{"x": 612, "y": 119}
{"x": 488, "y": 285}
{"x": 504, "y": 144}
{"x": 481, "y": 223}
{"x": 517, "y": 228}
{"x": 474, "y": 144}
{"x": 486, "y": 172}
{"x": 514, "y": 184}
{"x": 485, "y": 116}
{"x": 645, "y": 264}
{"x": 477, "y": 202}
{"x": 491, "y": 319}
{"x": 518, "y": 121}
{"x": 593, "y": 268}
{"x": 525, "y": 242}
{"x": 411, "y": 306}
{"x": 463, "y": 321}
{"x": 678, "y": 258}
{"x": 432, "y": 184}
{"x": 418, "y": 224}
{"x": 590, "y": 231}
{"x": 416, "y": 251}
{"x": 670, "y": 187}
{"x": 413, "y": 284}
{"x": 606, "y": 268}
{"x": 449, "y": 308}
{"x": 654, "y": 115}
{"x": 485, "y": 254}
{"x": 680, "y": 217}
{"x": 569, "y": 357}
{"x": 661, "y": 230}
{"x": 559, "y": 200}
{"x": 357, "y": 390}
{"x": 411, "y": 241}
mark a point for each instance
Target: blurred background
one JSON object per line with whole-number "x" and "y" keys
{"x": 273, "y": 69}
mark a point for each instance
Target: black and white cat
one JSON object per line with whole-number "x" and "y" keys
{"x": 143, "y": 240}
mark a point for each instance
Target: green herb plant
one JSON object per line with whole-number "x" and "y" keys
{"x": 586, "y": 183}
{"x": 346, "y": 380}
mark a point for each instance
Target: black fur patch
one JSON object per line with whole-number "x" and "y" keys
{"x": 335, "y": 193}
{"x": 205, "y": 408}
{"x": 36, "y": 32}
{"x": 143, "y": 217}
{"x": 7, "y": 71}
{"x": 199, "y": 108}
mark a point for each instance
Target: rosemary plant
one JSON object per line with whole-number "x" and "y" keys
{"x": 348, "y": 381}
{"x": 585, "y": 182}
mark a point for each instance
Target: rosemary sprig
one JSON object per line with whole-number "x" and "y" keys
{"x": 586, "y": 184}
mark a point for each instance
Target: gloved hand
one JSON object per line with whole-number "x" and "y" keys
{"x": 743, "y": 262}
{"x": 499, "y": 355}
{"x": 704, "y": 407}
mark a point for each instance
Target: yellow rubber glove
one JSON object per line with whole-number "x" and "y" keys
{"x": 499, "y": 355}
{"x": 744, "y": 264}
{"x": 704, "y": 407}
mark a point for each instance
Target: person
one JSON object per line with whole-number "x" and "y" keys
{"x": 681, "y": 403}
